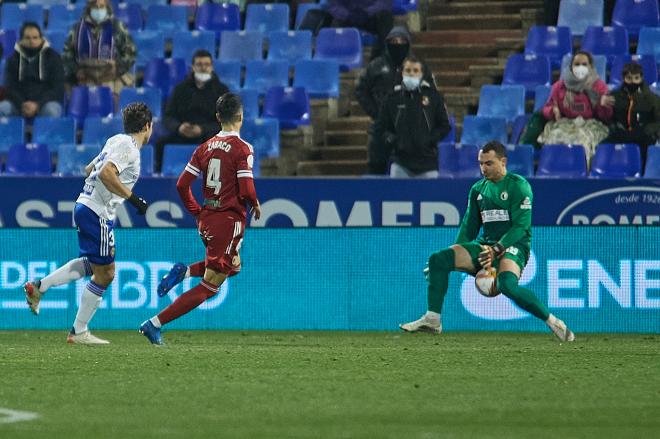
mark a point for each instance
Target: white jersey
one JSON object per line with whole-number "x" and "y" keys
{"x": 122, "y": 151}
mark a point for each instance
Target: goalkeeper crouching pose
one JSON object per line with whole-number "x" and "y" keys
{"x": 500, "y": 204}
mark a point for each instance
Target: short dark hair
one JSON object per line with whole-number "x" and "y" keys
{"x": 228, "y": 107}
{"x": 135, "y": 117}
{"x": 632, "y": 68}
{"x": 411, "y": 58}
{"x": 30, "y": 25}
{"x": 494, "y": 145}
{"x": 201, "y": 53}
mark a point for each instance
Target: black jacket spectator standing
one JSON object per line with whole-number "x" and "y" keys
{"x": 410, "y": 125}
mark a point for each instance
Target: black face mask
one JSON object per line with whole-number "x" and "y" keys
{"x": 632, "y": 87}
{"x": 398, "y": 52}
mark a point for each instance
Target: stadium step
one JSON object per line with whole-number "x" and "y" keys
{"x": 481, "y": 21}
{"x": 340, "y": 152}
{"x": 349, "y": 123}
{"x": 333, "y": 167}
{"x": 344, "y": 137}
{"x": 455, "y": 50}
{"x": 491, "y": 7}
{"x": 453, "y": 78}
{"x": 471, "y": 36}
{"x": 452, "y": 64}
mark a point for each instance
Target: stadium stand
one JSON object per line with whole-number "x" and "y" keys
{"x": 131, "y": 15}
{"x": 458, "y": 160}
{"x": 185, "y": 43}
{"x": 241, "y": 46}
{"x": 652, "y": 169}
{"x": 290, "y": 105}
{"x": 250, "y": 100}
{"x": 267, "y": 17}
{"x": 649, "y": 42}
{"x": 551, "y": 41}
{"x": 478, "y": 130}
{"x": 520, "y": 159}
{"x": 90, "y": 101}
{"x": 635, "y": 14}
{"x": 562, "y": 161}
{"x": 164, "y": 73}
{"x": 290, "y": 46}
{"x": 648, "y": 63}
{"x": 217, "y": 18}
{"x": 11, "y": 132}
{"x": 527, "y": 70}
{"x": 506, "y": 101}
{"x": 72, "y": 158}
{"x": 167, "y": 19}
{"x": 96, "y": 130}
{"x": 28, "y": 159}
{"x": 153, "y": 97}
{"x": 608, "y": 41}
{"x": 319, "y": 77}
{"x": 616, "y": 161}
{"x": 147, "y": 161}
{"x": 340, "y": 44}
{"x": 261, "y": 75}
{"x": 54, "y": 131}
{"x": 15, "y": 14}
{"x": 263, "y": 135}
{"x": 175, "y": 158}
{"x": 229, "y": 73}
{"x": 578, "y": 15}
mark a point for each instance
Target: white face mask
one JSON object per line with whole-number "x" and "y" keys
{"x": 202, "y": 77}
{"x": 580, "y": 72}
{"x": 98, "y": 14}
{"x": 411, "y": 82}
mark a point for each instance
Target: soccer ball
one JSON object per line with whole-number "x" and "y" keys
{"x": 486, "y": 282}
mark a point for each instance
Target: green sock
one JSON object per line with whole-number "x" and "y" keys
{"x": 440, "y": 265}
{"x": 507, "y": 283}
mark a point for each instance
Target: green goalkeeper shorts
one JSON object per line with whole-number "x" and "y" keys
{"x": 518, "y": 254}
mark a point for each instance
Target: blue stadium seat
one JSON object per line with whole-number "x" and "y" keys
{"x": 100, "y": 129}
{"x": 262, "y": 75}
{"x": 15, "y": 14}
{"x": 175, "y": 158}
{"x": 56, "y": 39}
{"x": 652, "y": 169}
{"x": 647, "y": 62}
{"x": 131, "y": 15}
{"x": 241, "y": 46}
{"x": 47, "y": 4}
{"x": 319, "y": 77}
{"x": 341, "y": 44}
{"x": 608, "y": 41}
{"x": 551, "y": 41}
{"x": 600, "y": 64}
{"x": 54, "y": 130}
{"x": 250, "y": 99}
{"x": 635, "y": 14}
{"x": 451, "y": 136}
{"x": 7, "y": 41}
{"x": 458, "y": 160}
{"x": 290, "y": 46}
{"x": 263, "y": 135}
{"x": 479, "y": 130}
{"x": 11, "y": 132}
{"x": 507, "y": 101}
{"x": 302, "y": 10}
{"x": 164, "y": 73}
{"x": 290, "y": 105}
{"x": 520, "y": 159}
{"x": 28, "y": 159}
{"x": 218, "y": 17}
{"x": 649, "y": 42}
{"x": 541, "y": 95}
{"x": 90, "y": 101}
{"x": 72, "y": 158}
{"x": 147, "y": 161}
{"x": 185, "y": 43}
{"x": 167, "y": 19}
{"x": 267, "y": 17}
{"x": 527, "y": 70}
{"x": 146, "y": 3}
{"x": 2, "y": 71}
{"x": 402, "y": 7}
{"x": 63, "y": 17}
{"x": 578, "y": 15}
{"x": 229, "y": 74}
{"x": 616, "y": 161}
{"x": 562, "y": 161}
{"x": 518, "y": 126}
{"x": 153, "y": 97}
{"x": 150, "y": 44}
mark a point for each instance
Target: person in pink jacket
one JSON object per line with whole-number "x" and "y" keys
{"x": 578, "y": 107}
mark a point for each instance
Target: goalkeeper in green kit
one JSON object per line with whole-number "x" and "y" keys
{"x": 500, "y": 204}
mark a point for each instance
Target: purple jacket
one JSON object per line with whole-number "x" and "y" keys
{"x": 356, "y": 12}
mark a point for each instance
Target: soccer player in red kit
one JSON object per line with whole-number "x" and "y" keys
{"x": 225, "y": 163}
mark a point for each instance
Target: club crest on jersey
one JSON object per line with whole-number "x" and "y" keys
{"x": 216, "y": 144}
{"x": 504, "y": 196}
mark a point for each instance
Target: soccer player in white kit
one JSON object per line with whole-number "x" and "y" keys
{"x": 110, "y": 180}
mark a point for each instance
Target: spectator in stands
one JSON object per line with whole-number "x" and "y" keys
{"x": 99, "y": 49}
{"x": 578, "y": 107}
{"x": 411, "y": 122}
{"x": 190, "y": 111}
{"x": 34, "y": 77}
{"x": 636, "y": 111}
{"x": 374, "y": 16}
{"x": 377, "y": 81}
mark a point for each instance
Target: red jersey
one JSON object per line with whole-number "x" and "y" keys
{"x": 225, "y": 162}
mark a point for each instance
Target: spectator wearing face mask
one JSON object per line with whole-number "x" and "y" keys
{"x": 578, "y": 107}
{"x": 34, "y": 77}
{"x": 377, "y": 81}
{"x": 411, "y": 122}
{"x": 636, "y": 111}
{"x": 190, "y": 110}
{"x": 99, "y": 49}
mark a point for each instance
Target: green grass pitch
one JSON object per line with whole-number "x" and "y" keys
{"x": 331, "y": 385}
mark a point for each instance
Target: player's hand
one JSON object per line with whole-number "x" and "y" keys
{"x": 139, "y": 203}
{"x": 256, "y": 210}
{"x": 555, "y": 112}
{"x": 489, "y": 254}
{"x": 607, "y": 101}
{"x": 195, "y": 130}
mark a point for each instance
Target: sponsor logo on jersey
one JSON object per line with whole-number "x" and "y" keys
{"x": 494, "y": 215}
{"x": 526, "y": 204}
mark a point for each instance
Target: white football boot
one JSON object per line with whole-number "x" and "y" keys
{"x": 85, "y": 337}
{"x": 560, "y": 329}
{"x": 424, "y": 324}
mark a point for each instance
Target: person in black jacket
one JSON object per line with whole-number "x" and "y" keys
{"x": 377, "y": 81}
{"x": 34, "y": 77}
{"x": 411, "y": 122}
{"x": 190, "y": 110}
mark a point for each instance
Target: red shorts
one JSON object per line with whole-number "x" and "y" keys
{"x": 222, "y": 234}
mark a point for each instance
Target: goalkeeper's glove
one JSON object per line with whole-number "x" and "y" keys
{"x": 139, "y": 203}
{"x": 489, "y": 253}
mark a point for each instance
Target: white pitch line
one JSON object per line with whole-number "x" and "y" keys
{"x": 8, "y": 416}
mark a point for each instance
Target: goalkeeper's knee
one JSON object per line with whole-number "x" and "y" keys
{"x": 442, "y": 260}
{"x": 507, "y": 283}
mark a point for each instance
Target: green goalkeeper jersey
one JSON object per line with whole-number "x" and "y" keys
{"x": 502, "y": 210}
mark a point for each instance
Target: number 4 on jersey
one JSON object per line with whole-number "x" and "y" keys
{"x": 213, "y": 175}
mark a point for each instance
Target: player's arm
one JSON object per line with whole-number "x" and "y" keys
{"x": 471, "y": 222}
{"x": 246, "y": 189}
{"x": 109, "y": 176}
{"x": 189, "y": 174}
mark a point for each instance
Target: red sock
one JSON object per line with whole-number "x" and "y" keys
{"x": 188, "y": 301}
{"x": 197, "y": 269}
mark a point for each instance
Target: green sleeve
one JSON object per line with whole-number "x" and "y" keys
{"x": 471, "y": 220}
{"x": 521, "y": 215}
